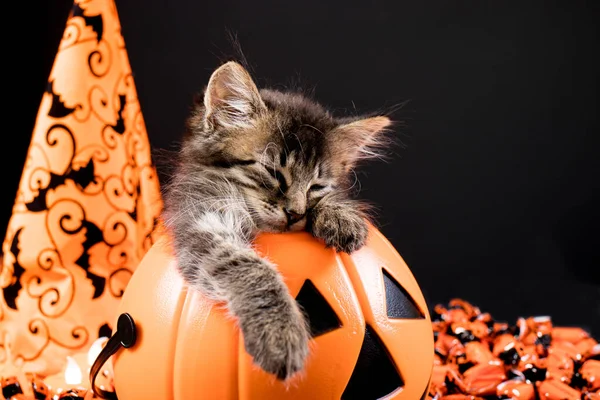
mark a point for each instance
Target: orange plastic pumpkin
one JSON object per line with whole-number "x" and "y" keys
{"x": 372, "y": 334}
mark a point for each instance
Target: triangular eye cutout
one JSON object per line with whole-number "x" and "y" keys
{"x": 374, "y": 375}
{"x": 321, "y": 316}
{"x": 399, "y": 304}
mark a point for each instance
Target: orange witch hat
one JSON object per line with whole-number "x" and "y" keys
{"x": 87, "y": 204}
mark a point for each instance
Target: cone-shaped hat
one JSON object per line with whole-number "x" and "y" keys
{"x": 87, "y": 203}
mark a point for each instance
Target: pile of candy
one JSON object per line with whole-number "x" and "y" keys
{"x": 477, "y": 358}
{"x": 12, "y": 390}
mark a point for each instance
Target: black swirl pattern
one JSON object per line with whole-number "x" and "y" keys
{"x": 87, "y": 206}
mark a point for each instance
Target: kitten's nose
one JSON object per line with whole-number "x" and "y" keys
{"x": 293, "y": 216}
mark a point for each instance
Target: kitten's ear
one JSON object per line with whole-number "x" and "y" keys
{"x": 359, "y": 139}
{"x": 231, "y": 98}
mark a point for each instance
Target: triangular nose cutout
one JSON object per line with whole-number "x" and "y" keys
{"x": 375, "y": 375}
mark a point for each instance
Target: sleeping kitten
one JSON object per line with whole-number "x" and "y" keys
{"x": 255, "y": 161}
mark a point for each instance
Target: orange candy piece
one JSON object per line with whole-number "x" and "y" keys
{"x": 471, "y": 310}
{"x": 445, "y": 343}
{"x": 439, "y": 375}
{"x": 483, "y": 379}
{"x": 569, "y": 334}
{"x": 586, "y": 346}
{"x": 560, "y": 365}
{"x": 516, "y": 389}
{"x": 40, "y": 389}
{"x": 503, "y": 342}
{"x": 567, "y": 348}
{"x": 553, "y": 389}
{"x": 478, "y": 353}
{"x": 590, "y": 371}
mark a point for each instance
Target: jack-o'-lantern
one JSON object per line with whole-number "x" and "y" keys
{"x": 372, "y": 334}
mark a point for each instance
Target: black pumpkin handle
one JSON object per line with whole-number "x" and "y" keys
{"x": 125, "y": 336}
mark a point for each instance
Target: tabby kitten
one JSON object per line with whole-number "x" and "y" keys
{"x": 255, "y": 161}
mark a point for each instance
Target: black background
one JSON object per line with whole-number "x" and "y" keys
{"x": 494, "y": 195}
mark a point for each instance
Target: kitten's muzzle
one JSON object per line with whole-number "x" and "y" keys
{"x": 293, "y": 216}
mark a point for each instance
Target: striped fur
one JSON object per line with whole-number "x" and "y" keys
{"x": 256, "y": 161}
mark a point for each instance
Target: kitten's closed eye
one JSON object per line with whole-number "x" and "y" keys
{"x": 279, "y": 176}
{"x": 316, "y": 187}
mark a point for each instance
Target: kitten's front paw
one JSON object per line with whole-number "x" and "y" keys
{"x": 342, "y": 228}
{"x": 278, "y": 343}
